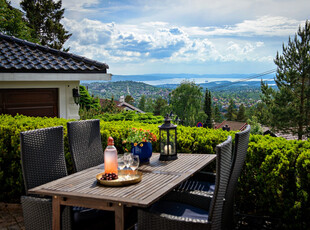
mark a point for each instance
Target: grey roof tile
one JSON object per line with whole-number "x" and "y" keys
{"x": 18, "y": 55}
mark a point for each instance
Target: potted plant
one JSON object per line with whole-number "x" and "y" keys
{"x": 140, "y": 142}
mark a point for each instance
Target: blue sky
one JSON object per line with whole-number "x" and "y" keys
{"x": 182, "y": 36}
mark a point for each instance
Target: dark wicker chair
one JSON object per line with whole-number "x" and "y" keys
{"x": 85, "y": 144}
{"x": 240, "y": 151}
{"x": 190, "y": 211}
{"x": 203, "y": 184}
{"x": 43, "y": 160}
{"x": 86, "y": 150}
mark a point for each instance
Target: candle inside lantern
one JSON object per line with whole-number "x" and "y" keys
{"x": 166, "y": 149}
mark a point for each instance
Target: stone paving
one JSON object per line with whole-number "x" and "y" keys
{"x": 11, "y": 217}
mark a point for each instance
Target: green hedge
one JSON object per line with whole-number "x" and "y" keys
{"x": 275, "y": 181}
{"x": 131, "y": 116}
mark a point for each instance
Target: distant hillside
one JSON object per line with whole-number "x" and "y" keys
{"x": 123, "y": 88}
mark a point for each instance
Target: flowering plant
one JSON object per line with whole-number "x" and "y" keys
{"x": 138, "y": 136}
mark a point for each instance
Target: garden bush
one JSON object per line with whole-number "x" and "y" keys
{"x": 275, "y": 181}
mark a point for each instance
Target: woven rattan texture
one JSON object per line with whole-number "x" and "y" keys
{"x": 85, "y": 144}
{"x": 240, "y": 150}
{"x": 37, "y": 214}
{"x": 161, "y": 221}
{"x": 43, "y": 160}
{"x": 42, "y": 154}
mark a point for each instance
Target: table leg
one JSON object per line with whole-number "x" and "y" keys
{"x": 56, "y": 213}
{"x": 119, "y": 217}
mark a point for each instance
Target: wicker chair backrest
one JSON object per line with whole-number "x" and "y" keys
{"x": 239, "y": 155}
{"x": 223, "y": 166}
{"x": 85, "y": 144}
{"x": 42, "y": 156}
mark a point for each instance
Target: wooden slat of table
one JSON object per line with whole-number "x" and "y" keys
{"x": 158, "y": 179}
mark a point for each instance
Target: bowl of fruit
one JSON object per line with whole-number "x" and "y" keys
{"x": 123, "y": 178}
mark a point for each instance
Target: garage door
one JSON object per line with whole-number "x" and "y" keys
{"x": 29, "y": 102}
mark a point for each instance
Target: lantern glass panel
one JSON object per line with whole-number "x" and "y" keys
{"x": 168, "y": 145}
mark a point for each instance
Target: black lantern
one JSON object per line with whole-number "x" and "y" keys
{"x": 168, "y": 140}
{"x": 76, "y": 96}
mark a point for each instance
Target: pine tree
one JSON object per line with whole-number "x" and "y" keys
{"x": 160, "y": 103}
{"x": 142, "y": 103}
{"x": 289, "y": 106}
{"x": 241, "y": 113}
{"x": 149, "y": 107}
{"x": 12, "y": 22}
{"x": 207, "y": 108}
{"x": 217, "y": 114}
{"x": 231, "y": 111}
{"x": 43, "y": 17}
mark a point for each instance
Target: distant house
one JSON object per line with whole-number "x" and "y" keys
{"x": 232, "y": 125}
{"x": 287, "y": 136}
{"x": 38, "y": 81}
{"x": 126, "y": 106}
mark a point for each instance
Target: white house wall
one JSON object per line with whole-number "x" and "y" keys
{"x": 66, "y": 106}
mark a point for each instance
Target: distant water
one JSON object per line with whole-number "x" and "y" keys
{"x": 161, "y": 79}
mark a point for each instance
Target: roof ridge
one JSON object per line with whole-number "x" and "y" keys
{"x": 52, "y": 50}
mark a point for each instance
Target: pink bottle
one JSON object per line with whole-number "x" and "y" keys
{"x": 110, "y": 157}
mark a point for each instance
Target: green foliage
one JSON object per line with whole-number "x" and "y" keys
{"x": 241, "y": 113}
{"x": 10, "y": 168}
{"x": 12, "y": 22}
{"x": 149, "y": 107}
{"x": 142, "y": 103}
{"x": 275, "y": 180}
{"x": 256, "y": 128}
{"x": 289, "y": 106}
{"x": 44, "y": 17}
{"x": 120, "y": 88}
{"x": 231, "y": 111}
{"x": 207, "y": 108}
{"x": 217, "y": 114}
{"x": 186, "y": 102}
{"x": 160, "y": 106}
{"x": 131, "y": 116}
{"x": 129, "y": 99}
{"x": 88, "y": 102}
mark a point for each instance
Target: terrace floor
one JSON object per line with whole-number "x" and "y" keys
{"x": 11, "y": 218}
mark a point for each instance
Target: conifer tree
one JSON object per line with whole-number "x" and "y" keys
{"x": 217, "y": 114}
{"x": 241, "y": 113}
{"x": 160, "y": 103}
{"x": 43, "y": 17}
{"x": 289, "y": 106}
{"x": 142, "y": 103}
{"x": 207, "y": 108}
{"x": 12, "y": 22}
{"x": 231, "y": 111}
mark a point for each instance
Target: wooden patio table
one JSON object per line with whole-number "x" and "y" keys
{"x": 159, "y": 177}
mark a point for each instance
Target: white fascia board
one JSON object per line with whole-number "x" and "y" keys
{"x": 54, "y": 76}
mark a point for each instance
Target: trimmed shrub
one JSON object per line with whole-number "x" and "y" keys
{"x": 275, "y": 181}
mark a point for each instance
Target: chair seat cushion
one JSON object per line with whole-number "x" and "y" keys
{"x": 193, "y": 185}
{"x": 180, "y": 211}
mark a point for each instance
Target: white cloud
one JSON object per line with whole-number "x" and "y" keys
{"x": 162, "y": 42}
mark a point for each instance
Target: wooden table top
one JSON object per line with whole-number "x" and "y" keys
{"x": 159, "y": 177}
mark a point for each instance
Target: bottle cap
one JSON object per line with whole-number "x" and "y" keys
{"x": 110, "y": 141}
